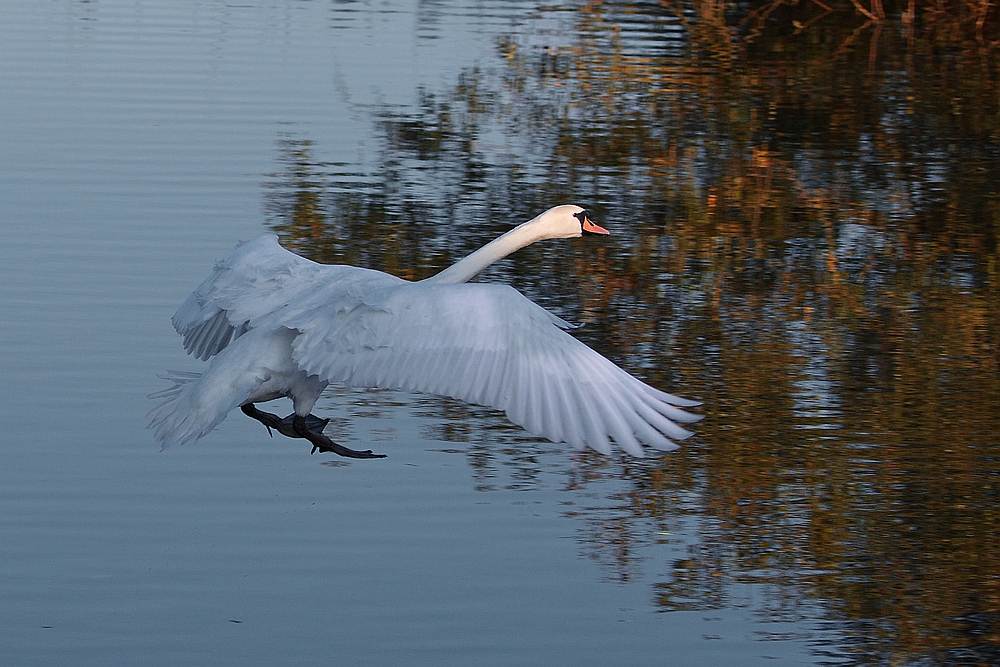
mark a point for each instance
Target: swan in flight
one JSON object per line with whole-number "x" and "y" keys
{"x": 276, "y": 324}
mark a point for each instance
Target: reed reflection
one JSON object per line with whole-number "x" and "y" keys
{"x": 805, "y": 207}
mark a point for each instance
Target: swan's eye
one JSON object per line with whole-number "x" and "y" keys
{"x": 581, "y": 216}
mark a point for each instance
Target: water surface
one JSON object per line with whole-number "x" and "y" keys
{"x": 804, "y": 237}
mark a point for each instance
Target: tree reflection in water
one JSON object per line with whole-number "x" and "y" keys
{"x": 805, "y": 218}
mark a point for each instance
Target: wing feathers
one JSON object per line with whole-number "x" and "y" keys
{"x": 262, "y": 284}
{"x": 488, "y": 344}
{"x": 207, "y": 339}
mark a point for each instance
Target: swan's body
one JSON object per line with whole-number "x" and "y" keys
{"x": 278, "y": 324}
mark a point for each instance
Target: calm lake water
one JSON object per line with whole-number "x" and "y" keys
{"x": 804, "y": 210}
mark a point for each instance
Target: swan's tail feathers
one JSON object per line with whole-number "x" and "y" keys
{"x": 179, "y": 378}
{"x": 179, "y": 418}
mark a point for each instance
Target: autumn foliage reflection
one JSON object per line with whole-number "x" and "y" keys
{"x": 805, "y": 206}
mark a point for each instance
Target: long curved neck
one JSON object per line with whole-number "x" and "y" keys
{"x": 461, "y": 271}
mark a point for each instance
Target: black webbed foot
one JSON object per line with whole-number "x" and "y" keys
{"x": 309, "y": 427}
{"x": 313, "y": 423}
{"x": 283, "y": 425}
{"x": 324, "y": 444}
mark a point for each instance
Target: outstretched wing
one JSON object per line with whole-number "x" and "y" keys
{"x": 256, "y": 278}
{"x": 488, "y": 344}
{"x": 259, "y": 279}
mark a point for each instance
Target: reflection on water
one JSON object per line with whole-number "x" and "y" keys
{"x": 805, "y": 217}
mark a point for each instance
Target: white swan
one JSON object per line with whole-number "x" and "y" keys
{"x": 278, "y": 324}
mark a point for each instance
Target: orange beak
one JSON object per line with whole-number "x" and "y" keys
{"x": 589, "y": 227}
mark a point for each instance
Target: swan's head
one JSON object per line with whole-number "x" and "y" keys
{"x": 565, "y": 222}
{"x": 561, "y": 222}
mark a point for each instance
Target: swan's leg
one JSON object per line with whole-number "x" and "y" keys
{"x": 283, "y": 425}
{"x": 324, "y": 444}
{"x": 266, "y": 418}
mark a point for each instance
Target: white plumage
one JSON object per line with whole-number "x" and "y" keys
{"x": 280, "y": 325}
